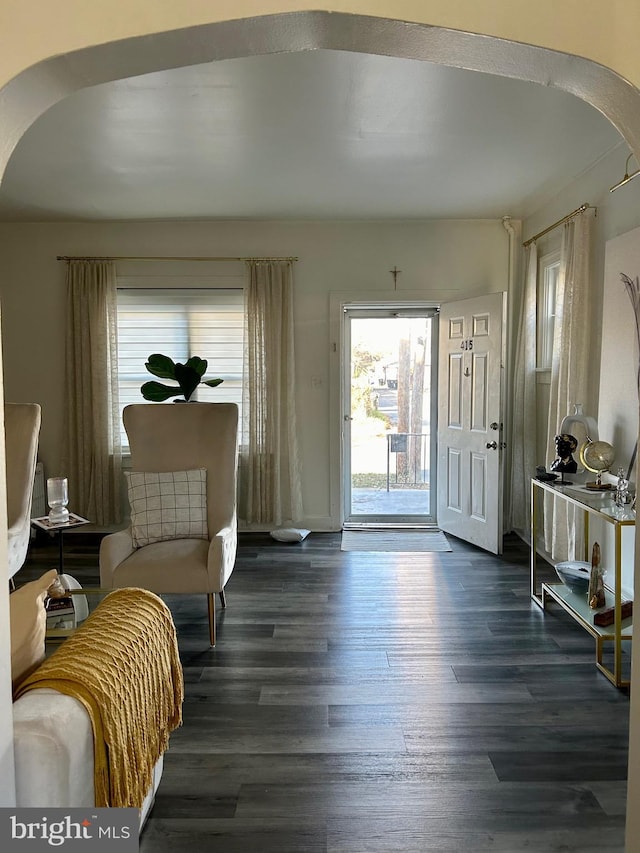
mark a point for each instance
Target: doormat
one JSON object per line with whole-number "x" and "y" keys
{"x": 394, "y": 540}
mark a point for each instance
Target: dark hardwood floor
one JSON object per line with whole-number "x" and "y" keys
{"x": 383, "y": 702}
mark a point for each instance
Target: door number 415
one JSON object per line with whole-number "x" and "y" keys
{"x": 467, "y": 344}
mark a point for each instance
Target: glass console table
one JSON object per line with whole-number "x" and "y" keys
{"x": 602, "y": 506}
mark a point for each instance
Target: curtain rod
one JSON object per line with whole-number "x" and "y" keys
{"x": 179, "y": 258}
{"x": 564, "y": 219}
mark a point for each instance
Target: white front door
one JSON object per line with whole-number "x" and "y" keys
{"x": 470, "y": 445}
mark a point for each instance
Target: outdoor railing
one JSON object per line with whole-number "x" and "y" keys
{"x": 410, "y": 452}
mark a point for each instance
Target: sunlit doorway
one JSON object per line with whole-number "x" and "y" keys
{"x": 389, "y": 416}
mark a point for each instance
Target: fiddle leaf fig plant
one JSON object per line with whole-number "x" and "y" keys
{"x": 188, "y": 376}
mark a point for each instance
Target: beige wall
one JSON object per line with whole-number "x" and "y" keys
{"x": 602, "y": 30}
{"x": 451, "y": 258}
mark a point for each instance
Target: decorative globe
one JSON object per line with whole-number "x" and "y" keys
{"x": 597, "y": 457}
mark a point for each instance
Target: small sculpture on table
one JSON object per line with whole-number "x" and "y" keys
{"x": 596, "y": 596}
{"x": 597, "y": 457}
{"x": 622, "y": 496}
{"x": 564, "y": 463}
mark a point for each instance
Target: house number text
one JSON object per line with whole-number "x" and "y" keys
{"x": 467, "y": 344}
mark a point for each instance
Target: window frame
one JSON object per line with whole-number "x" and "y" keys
{"x": 232, "y": 392}
{"x": 547, "y": 283}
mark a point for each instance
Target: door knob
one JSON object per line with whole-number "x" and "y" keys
{"x": 492, "y": 445}
{"x": 494, "y": 425}
{"x": 348, "y": 418}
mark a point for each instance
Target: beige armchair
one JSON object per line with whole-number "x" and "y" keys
{"x": 21, "y": 433}
{"x": 181, "y": 437}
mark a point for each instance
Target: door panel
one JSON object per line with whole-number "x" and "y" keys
{"x": 454, "y": 419}
{"x": 456, "y": 326}
{"x": 470, "y": 418}
{"x": 480, "y": 388}
{"x": 479, "y": 486}
{"x": 454, "y": 485}
{"x": 480, "y": 325}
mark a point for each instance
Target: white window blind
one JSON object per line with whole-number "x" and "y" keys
{"x": 180, "y": 323}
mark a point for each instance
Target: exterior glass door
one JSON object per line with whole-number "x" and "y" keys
{"x": 389, "y": 442}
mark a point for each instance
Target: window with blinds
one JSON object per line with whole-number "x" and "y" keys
{"x": 180, "y": 323}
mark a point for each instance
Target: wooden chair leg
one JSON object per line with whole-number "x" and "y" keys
{"x": 223, "y": 600}
{"x": 211, "y": 603}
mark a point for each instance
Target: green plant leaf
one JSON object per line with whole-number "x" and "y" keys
{"x": 198, "y": 364}
{"x": 188, "y": 379}
{"x": 161, "y": 365}
{"x": 188, "y": 376}
{"x": 157, "y": 392}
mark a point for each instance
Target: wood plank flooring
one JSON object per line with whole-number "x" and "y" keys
{"x": 380, "y": 702}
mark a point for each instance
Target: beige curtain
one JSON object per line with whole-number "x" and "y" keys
{"x": 269, "y": 491}
{"x": 571, "y": 374}
{"x": 92, "y": 453}
{"x": 523, "y": 457}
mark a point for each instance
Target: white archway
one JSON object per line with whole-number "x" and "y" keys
{"x": 36, "y": 89}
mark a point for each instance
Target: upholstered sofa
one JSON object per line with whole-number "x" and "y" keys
{"x": 68, "y": 751}
{"x": 53, "y": 753}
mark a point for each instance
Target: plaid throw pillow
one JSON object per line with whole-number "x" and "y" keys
{"x": 167, "y": 505}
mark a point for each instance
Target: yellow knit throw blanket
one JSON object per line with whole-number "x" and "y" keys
{"x": 122, "y": 663}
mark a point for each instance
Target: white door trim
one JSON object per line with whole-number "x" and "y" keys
{"x": 338, "y": 300}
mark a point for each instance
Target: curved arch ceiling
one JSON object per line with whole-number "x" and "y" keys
{"x": 318, "y": 134}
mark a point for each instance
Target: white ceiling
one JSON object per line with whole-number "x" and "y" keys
{"x": 315, "y": 135}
